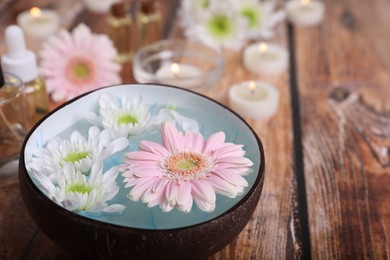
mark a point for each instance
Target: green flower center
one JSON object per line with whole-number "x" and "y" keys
{"x": 186, "y": 164}
{"x": 220, "y": 26}
{"x": 127, "y": 119}
{"x": 251, "y": 15}
{"x": 81, "y": 70}
{"x": 205, "y": 4}
{"x": 79, "y": 188}
{"x": 75, "y": 156}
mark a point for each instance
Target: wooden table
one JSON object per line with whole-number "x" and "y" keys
{"x": 327, "y": 187}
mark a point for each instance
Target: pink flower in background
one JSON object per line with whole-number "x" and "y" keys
{"x": 185, "y": 168}
{"x": 77, "y": 62}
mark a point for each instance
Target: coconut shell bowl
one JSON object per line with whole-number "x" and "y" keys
{"x": 175, "y": 175}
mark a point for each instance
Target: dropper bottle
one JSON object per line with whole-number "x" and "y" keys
{"x": 22, "y": 63}
{"x": 120, "y": 30}
{"x": 149, "y": 22}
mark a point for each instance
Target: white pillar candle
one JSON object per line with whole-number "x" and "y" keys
{"x": 99, "y": 6}
{"x": 305, "y": 12}
{"x": 181, "y": 75}
{"x": 254, "y": 99}
{"x": 267, "y": 59}
{"x": 38, "y": 23}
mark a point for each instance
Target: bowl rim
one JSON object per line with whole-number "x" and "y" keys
{"x": 219, "y": 60}
{"x": 106, "y": 225}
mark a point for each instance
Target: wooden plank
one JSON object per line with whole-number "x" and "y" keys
{"x": 16, "y": 226}
{"x": 270, "y": 234}
{"x": 343, "y": 78}
{"x": 272, "y": 231}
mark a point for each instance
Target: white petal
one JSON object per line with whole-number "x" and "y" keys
{"x": 114, "y": 208}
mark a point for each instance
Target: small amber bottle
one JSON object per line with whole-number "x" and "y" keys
{"x": 149, "y": 22}
{"x": 121, "y": 31}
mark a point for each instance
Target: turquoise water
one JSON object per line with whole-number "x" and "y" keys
{"x": 137, "y": 214}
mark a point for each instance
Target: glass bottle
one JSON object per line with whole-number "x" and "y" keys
{"x": 22, "y": 63}
{"x": 120, "y": 31}
{"x": 13, "y": 122}
{"x": 149, "y": 22}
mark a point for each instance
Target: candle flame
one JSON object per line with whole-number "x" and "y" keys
{"x": 263, "y": 47}
{"x": 252, "y": 87}
{"x": 35, "y": 12}
{"x": 175, "y": 68}
{"x": 305, "y": 2}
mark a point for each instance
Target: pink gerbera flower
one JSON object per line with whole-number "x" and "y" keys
{"x": 185, "y": 168}
{"x": 77, "y": 62}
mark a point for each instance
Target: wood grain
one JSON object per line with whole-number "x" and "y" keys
{"x": 343, "y": 79}
{"x": 271, "y": 233}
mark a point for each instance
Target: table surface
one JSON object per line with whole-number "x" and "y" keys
{"x": 326, "y": 192}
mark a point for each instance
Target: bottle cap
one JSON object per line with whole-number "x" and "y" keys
{"x": 120, "y": 9}
{"x": 18, "y": 60}
{"x": 148, "y": 6}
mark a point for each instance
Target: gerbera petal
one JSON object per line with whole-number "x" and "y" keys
{"x": 202, "y": 190}
{"x": 153, "y": 147}
{"x": 171, "y": 192}
{"x": 223, "y": 187}
{"x": 169, "y": 136}
{"x": 214, "y": 142}
{"x": 231, "y": 176}
{"x": 184, "y": 193}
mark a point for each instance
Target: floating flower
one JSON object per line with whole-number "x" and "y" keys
{"x": 129, "y": 116}
{"x": 77, "y": 192}
{"x": 77, "y": 62}
{"x": 81, "y": 152}
{"x": 185, "y": 168}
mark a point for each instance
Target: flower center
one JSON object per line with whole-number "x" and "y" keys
{"x": 251, "y": 15}
{"x": 220, "y": 26}
{"x": 205, "y": 4}
{"x": 75, "y": 156}
{"x": 186, "y": 166}
{"x": 79, "y": 188}
{"x": 127, "y": 119}
{"x": 80, "y": 70}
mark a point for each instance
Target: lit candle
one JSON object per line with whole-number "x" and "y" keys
{"x": 267, "y": 59}
{"x": 99, "y": 6}
{"x": 181, "y": 75}
{"x": 305, "y": 12}
{"x": 254, "y": 99}
{"x": 38, "y": 23}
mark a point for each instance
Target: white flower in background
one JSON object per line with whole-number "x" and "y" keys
{"x": 261, "y": 16}
{"x": 218, "y": 26}
{"x": 228, "y": 24}
{"x": 76, "y": 192}
{"x": 129, "y": 116}
{"x": 80, "y": 151}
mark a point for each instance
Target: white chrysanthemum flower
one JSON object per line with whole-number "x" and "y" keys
{"x": 261, "y": 17}
{"x": 191, "y": 10}
{"x": 77, "y": 192}
{"x": 218, "y": 26}
{"x": 121, "y": 118}
{"x": 129, "y": 116}
{"x": 80, "y": 151}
